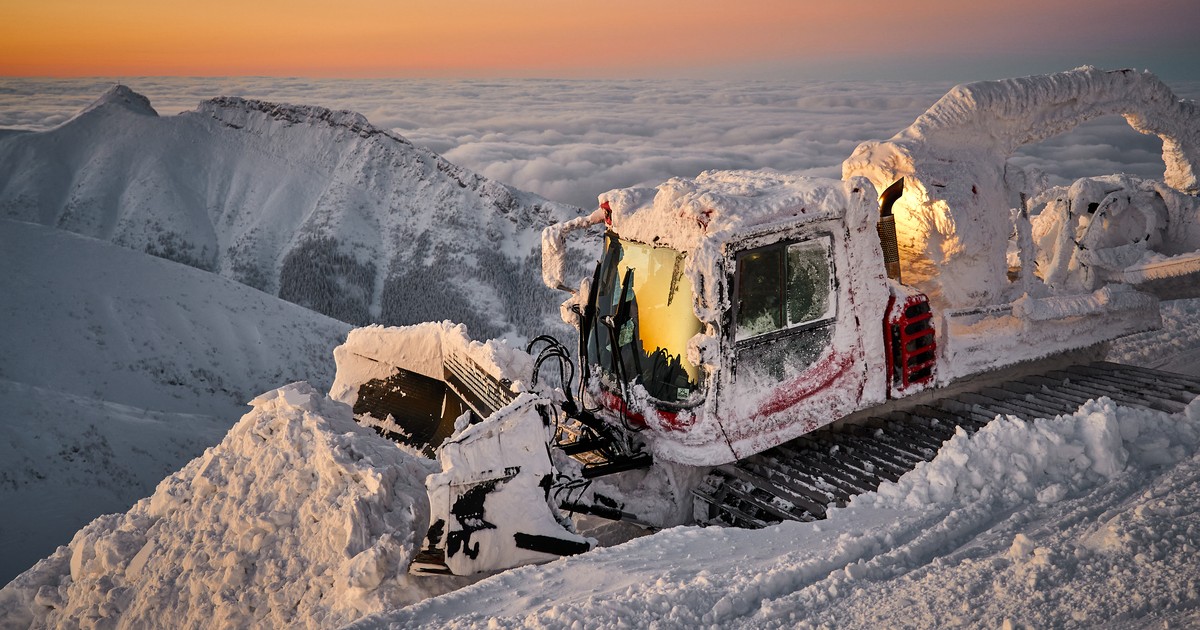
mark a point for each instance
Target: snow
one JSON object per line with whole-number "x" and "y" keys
{"x": 298, "y": 518}
{"x": 122, "y": 96}
{"x": 1175, "y": 347}
{"x": 316, "y": 206}
{"x": 683, "y": 213}
{"x": 302, "y": 518}
{"x": 374, "y": 352}
{"x": 973, "y": 341}
{"x": 1113, "y": 227}
{"x": 1033, "y": 524}
{"x": 710, "y": 218}
{"x": 554, "y": 248}
{"x": 718, "y": 214}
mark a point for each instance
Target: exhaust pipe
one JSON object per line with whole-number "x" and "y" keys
{"x": 887, "y": 229}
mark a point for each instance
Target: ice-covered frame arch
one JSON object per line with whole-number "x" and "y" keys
{"x": 953, "y": 217}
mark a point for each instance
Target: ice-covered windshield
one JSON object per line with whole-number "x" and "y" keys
{"x": 653, "y": 338}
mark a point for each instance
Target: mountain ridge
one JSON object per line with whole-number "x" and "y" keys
{"x": 317, "y": 206}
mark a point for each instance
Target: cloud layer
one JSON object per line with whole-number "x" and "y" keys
{"x": 572, "y": 140}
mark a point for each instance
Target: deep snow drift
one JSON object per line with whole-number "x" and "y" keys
{"x": 316, "y": 206}
{"x": 298, "y": 518}
{"x": 116, "y": 369}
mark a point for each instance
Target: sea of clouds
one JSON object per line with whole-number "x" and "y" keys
{"x": 570, "y": 140}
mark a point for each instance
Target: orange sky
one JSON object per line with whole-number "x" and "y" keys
{"x": 542, "y": 37}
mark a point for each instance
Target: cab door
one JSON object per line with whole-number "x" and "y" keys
{"x": 792, "y": 371}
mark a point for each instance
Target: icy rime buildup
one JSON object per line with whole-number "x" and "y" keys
{"x": 953, "y": 218}
{"x": 299, "y": 518}
{"x": 374, "y": 352}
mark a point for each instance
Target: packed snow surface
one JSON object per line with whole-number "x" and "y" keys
{"x": 1030, "y": 524}
{"x": 298, "y": 518}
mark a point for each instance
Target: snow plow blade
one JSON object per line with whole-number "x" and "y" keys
{"x": 431, "y": 387}
{"x": 489, "y": 507}
{"x": 412, "y": 384}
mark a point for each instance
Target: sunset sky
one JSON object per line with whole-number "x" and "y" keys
{"x": 615, "y": 38}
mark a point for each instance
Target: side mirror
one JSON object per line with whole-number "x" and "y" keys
{"x": 554, "y": 249}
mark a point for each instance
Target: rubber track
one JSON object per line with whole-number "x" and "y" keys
{"x": 800, "y": 479}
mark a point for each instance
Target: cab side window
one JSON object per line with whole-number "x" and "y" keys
{"x": 759, "y": 307}
{"x": 784, "y": 286}
{"x": 810, "y": 295}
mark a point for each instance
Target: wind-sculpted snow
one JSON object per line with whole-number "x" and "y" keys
{"x": 953, "y": 218}
{"x": 299, "y": 518}
{"x": 1030, "y": 524}
{"x": 316, "y": 206}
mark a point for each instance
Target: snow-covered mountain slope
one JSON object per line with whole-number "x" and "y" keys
{"x": 116, "y": 368}
{"x": 316, "y": 206}
{"x": 298, "y": 518}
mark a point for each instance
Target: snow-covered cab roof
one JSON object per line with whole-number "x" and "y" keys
{"x": 702, "y": 217}
{"x": 718, "y": 207}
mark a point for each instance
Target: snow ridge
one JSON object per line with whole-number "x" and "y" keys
{"x": 229, "y": 109}
{"x": 122, "y": 96}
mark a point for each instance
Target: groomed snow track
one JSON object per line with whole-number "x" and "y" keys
{"x": 800, "y": 479}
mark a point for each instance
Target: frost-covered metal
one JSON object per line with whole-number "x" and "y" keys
{"x": 953, "y": 219}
